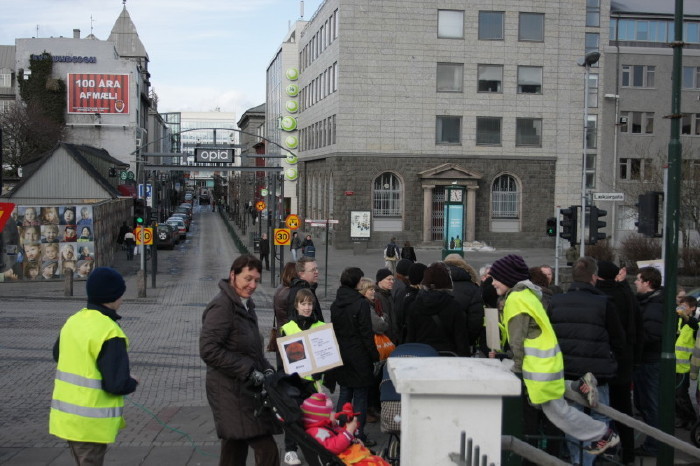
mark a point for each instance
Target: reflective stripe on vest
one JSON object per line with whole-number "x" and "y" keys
{"x": 684, "y": 347}
{"x": 85, "y": 411}
{"x": 543, "y": 363}
{"x": 81, "y": 410}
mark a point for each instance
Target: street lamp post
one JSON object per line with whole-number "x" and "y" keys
{"x": 590, "y": 59}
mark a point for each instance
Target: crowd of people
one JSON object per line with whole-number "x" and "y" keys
{"x": 600, "y": 339}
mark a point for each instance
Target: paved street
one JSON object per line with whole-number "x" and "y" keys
{"x": 164, "y": 330}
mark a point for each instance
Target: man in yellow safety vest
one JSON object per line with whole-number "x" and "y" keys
{"x": 93, "y": 374}
{"x": 685, "y": 344}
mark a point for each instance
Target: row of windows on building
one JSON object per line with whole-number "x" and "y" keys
{"x": 645, "y": 76}
{"x": 317, "y": 135}
{"x": 644, "y": 30}
{"x": 491, "y": 25}
{"x": 325, "y": 84}
{"x": 643, "y": 123}
{"x": 324, "y": 37}
{"x": 528, "y": 131}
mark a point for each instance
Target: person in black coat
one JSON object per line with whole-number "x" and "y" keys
{"x": 407, "y": 252}
{"x": 466, "y": 290}
{"x": 352, "y": 324}
{"x": 436, "y": 317}
{"x": 265, "y": 251}
{"x": 415, "y": 276}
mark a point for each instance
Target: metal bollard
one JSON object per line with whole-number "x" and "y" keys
{"x": 68, "y": 284}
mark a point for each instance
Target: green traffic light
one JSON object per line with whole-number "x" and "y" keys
{"x": 139, "y": 219}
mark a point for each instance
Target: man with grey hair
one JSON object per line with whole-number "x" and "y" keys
{"x": 590, "y": 335}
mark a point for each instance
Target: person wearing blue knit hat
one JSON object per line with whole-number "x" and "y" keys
{"x": 93, "y": 374}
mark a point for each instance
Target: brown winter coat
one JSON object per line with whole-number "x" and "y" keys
{"x": 231, "y": 346}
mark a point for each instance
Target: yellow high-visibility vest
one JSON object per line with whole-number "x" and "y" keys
{"x": 543, "y": 364}
{"x": 684, "y": 347}
{"x": 80, "y": 409}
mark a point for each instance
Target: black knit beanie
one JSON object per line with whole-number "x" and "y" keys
{"x": 510, "y": 270}
{"x": 415, "y": 273}
{"x": 104, "y": 285}
{"x": 382, "y": 274}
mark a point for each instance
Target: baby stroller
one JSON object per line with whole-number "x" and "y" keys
{"x": 283, "y": 394}
{"x": 391, "y": 401}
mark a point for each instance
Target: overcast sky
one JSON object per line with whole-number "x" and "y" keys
{"x": 204, "y": 53}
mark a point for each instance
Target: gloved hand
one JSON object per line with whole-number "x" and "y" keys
{"x": 255, "y": 378}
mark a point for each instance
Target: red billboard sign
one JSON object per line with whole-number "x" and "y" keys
{"x": 98, "y": 93}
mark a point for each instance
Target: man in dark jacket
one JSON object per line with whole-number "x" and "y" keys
{"x": 231, "y": 346}
{"x": 646, "y": 374}
{"x": 590, "y": 336}
{"x": 352, "y": 324}
{"x": 265, "y": 250}
{"x": 627, "y": 309}
{"x": 467, "y": 292}
{"x": 415, "y": 276}
{"x": 436, "y": 317}
{"x": 398, "y": 292}
{"x": 307, "y": 277}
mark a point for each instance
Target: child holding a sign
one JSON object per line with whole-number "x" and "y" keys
{"x": 303, "y": 320}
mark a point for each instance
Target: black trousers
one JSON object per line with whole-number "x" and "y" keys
{"x": 621, "y": 400}
{"x": 264, "y": 260}
{"x": 684, "y": 407}
{"x": 234, "y": 452}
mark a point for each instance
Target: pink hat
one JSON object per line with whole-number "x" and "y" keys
{"x": 317, "y": 410}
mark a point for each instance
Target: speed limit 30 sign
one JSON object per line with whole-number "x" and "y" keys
{"x": 283, "y": 236}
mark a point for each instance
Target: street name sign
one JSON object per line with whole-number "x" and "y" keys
{"x": 608, "y": 196}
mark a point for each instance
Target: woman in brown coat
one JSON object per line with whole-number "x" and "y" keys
{"x": 232, "y": 348}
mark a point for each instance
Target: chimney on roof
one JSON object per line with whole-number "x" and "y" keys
{"x": 76, "y": 33}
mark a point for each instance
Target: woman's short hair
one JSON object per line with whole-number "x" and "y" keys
{"x": 246, "y": 260}
{"x": 364, "y": 285}
{"x": 302, "y": 296}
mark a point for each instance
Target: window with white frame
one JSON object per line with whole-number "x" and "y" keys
{"x": 528, "y": 132}
{"x": 593, "y": 13}
{"x": 451, "y": 24}
{"x": 529, "y": 80}
{"x": 638, "y": 75}
{"x": 690, "y": 124}
{"x": 593, "y": 90}
{"x": 592, "y": 132}
{"x": 635, "y": 169}
{"x": 505, "y": 198}
{"x": 5, "y": 80}
{"x": 450, "y": 77}
{"x": 448, "y": 129}
{"x": 637, "y": 122}
{"x": 386, "y": 196}
{"x": 488, "y": 130}
{"x": 531, "y": 27}
{"x": 590, "y": 170}
{"x": 490, "y": 78}
{"x": 491, "y": 25}
{"x": 691, "y": 77}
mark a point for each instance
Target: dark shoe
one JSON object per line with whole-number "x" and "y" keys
{"x": 369, "y": 443}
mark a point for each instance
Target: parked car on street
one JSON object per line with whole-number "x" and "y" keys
{"x": 184, "y": 217}
{"x": 167, "y": 236}
{"x": 179, "y": 223}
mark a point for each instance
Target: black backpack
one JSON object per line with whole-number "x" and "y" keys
{"x": 390, "y": 250}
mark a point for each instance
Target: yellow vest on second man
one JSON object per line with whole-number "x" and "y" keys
{"x": 684, "y": 347}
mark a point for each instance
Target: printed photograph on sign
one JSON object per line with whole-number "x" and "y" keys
{"x": 360, "y": 224}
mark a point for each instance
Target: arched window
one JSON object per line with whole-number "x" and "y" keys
{"x": 505, "y": 198}
{"x": 387, "y": 196}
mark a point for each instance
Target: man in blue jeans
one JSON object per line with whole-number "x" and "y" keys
{"x": 591, "y": 338}
{"x": 646, "y": 373}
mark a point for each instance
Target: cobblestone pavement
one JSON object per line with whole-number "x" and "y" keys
{"x": 163, "y": 329}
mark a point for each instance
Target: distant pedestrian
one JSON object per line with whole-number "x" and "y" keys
{"x": 391, "y": 255}
{"x": 93, "y": 374}
{"x": 120, "y": 236}
{"x": 307, "y": 247}
{"x": 407, "y": 252}
{"x": 265, "y": 251}
{"x": 295, "y": 246}
{"x": 129, "y": 244}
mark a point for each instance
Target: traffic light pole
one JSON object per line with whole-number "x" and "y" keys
{"x": 557, "y": 245}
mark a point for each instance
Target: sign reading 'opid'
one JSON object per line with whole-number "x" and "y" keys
{"x": 98, "y": 93}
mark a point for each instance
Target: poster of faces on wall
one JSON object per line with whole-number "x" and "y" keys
{"x": 51, "y": 242}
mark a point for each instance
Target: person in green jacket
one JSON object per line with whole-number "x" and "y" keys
{"x": 538, "y": 360}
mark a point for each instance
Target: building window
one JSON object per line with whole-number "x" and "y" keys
{"x": 592, "y": 42}
{"x": 593, "y": 13}
{"x": 590, "y": 170}
{"x": 529, "y": 80}
{"x": 488, "y": 130}
{"x": 531, "y": 27}
{"x": 637, "y": 122}
{"x": 592, "y": 132}
{"x": 593, "y": 90}
{"x": 505, "y": 198}
{"x": 528, "y": 132}
{"x": 691, "y": 77}
{"x": 5, "y": 80}
{"x": 638, "y": 75}
{"x": 491, "y": 25}
{"x": 450, "y": 24}
{"x": 448, "y": 130}
{"x": 636, "y": 169}
{"x": 450, "y": 77}
{"x": 387, "y": 196}
{"x": 690, "y": 124}
{"x": 490, "y": 78}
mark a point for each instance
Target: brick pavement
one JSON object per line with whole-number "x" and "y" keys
{"x": 164, "y": 330}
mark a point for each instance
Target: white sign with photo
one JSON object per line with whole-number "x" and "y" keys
{"x": 310, "y": 352}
